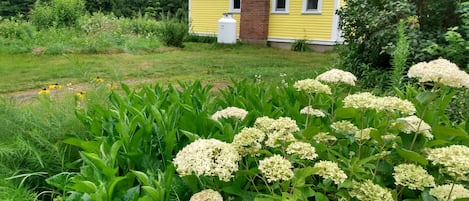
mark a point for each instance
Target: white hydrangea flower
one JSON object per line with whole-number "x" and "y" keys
{"x": 308, "y": 110}
{"x": 276, "y": 168}
{"x": 312, "y": 86}
{"x": 324, "y": 137}
{"x": 207, "y": 195}
{"x": 368, "y": 191}
{"x": 454, "y": 158}
{"x": 363, "y": 134}
{"x": 330, "y": 170}
{"x": 413, "y": 124}
{"x": 264, "y": 124}
{"x": 230, "y": 112}
{"x": 367, "y": 100}
{"x": 248, "y": 141}
{"x": 439, "y": 71}
{"x": 337, "y": 76}
{"x": 281, "y": 131}
{"x": 413, "y": 177}
{"x": 441, "y": 193}
{"x": 303, "y": 149}
{"x": 344, "y": 126}
{"x": 208, "y": 157}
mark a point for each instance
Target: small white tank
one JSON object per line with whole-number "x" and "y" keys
{"x": 226, "y": 29}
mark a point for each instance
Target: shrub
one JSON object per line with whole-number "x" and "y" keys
{"x": 172, "y": 32}
{"x": 16, "y": 29}
{"x": 57, "y": 13}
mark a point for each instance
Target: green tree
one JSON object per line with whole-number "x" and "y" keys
{"x": 14, "y": 7}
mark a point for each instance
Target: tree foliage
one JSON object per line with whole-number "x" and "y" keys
{"x": 369, "y": 31}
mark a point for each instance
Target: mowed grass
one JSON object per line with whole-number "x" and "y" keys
{"x": 207, "y": 62}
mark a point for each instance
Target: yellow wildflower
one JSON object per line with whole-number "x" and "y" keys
{"x": 99, "y": 80}
{"x": 44, "y": 91}
{"x": 55, "y": 86}
{"x": 80, "y": 95}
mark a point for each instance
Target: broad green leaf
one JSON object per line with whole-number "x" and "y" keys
{"x": 60, "y": 180}
{"x": 131, "y": 194}
{"x": 467, "y": 124}
{"x": 113, "y": 184}
{"x": 192, "y": 136}
{"x": 142, "y": 177}
{"x": 448, "y": 132}
{"x": 412, "y": 156}
{"x": 346, "y": 113}
{"x": 85, "y": 186}
{"x": 437, "y": 143}
{"x": 301, "y": 175}
{"x": 88, "y": 146}
{"x": 152, "y": 192}
{"x": 236, "y": 190}
{"x": 320, "y": 197}
{"x": 426, "y": 97}
{"x": 115, "y": 150}
{"x": 427, "y": 197}
{"x": 462, "y": 199}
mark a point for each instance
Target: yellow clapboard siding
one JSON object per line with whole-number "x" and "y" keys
{"x": 204, "y": 15}
{"x": 296, "y": 25}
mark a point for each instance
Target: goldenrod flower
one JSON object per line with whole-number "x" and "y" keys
{"x": 55, "y": 86}
{"x": 44, "y": 91}
{"x": 99, "y": 80}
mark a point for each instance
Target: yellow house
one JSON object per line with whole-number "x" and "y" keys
{"x": 270, "y": 21}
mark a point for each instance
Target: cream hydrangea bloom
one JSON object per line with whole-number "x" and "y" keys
{"x": 208, "y": 157}
{"x": 276, "y": 168}
{"x": 207, "y": 195}
{"x": 454, "y": 158}
{"x": 413, "y": 124}
{"x": 308, "y": 110}
{"x": 230, "y": 112}
{"x": 324, "y": 137}
{"x": 330, "y": 170}
{"x": 248, "y": 141}
{"x": 281, "y": 131}
{"x": 363, "y": 134}
{"x": 303, "y": 149}
{"x": 264, "y": 124}
{"x": 367, "y": 100}
{"x": 312, "y": 86}
{"x": 368, "y": 191}
{"x": 344, "y": 126}
{"x": 413, "y": 177}
{"x": 441, "y": 193}
{"x": 439, "y": 71}
{"x": 337, "y": 76}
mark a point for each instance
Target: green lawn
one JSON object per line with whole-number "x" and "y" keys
{"x": 208, "y": 62}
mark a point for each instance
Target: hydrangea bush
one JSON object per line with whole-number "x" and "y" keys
{"x": 313, "y": 139}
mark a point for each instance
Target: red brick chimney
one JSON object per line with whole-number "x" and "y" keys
{"x": 254, "y": 25}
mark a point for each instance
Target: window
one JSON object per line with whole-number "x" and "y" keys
{"x": 312, "y": 6}
{"x": 235, "y": 6}
{"x": 280, "y": 6}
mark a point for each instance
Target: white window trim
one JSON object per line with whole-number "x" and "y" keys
{"x": 232, "y": 10}
{"x": 287, "y": 6}
{"x": 316, "y": 11}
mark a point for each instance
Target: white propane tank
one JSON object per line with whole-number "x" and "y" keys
{"x": 226, "y": 29}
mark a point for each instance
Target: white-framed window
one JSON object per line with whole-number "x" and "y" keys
{"x": 235, "y": 6}
{"x": 280, "y": 6}
{"x": 312, "y": 6}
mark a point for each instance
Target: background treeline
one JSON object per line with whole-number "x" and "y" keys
{"x": 119, "y": 8}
